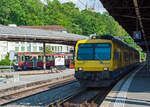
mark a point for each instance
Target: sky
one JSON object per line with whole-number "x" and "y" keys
{"x": 81, "y": 4}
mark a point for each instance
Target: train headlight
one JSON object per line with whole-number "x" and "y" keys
{"x": 106, "y": 69}
{"x": 80, "y": 69}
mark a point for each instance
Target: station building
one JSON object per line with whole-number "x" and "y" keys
{"x": 6, "y": 46}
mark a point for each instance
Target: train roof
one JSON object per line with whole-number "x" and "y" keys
{"x": 108, "y": 37}
{"x": 111, "y": 38}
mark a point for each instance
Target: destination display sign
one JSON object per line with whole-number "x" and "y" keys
{"x": 137, "y": 35}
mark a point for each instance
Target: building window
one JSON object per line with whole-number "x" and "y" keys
{"x": 67, "y": 48}
{"x": 17, "y": 42}
{"x": 28, "y": 43}
{"x": 29, "y": 49}
{"x": 22, "y": 48}
{"x": 34, "y": 48}
{"x": 55, "y": 48}
{"x": 40, "y": 48}
{"x": 60, "y": 48}
{"x": 22, "y": 42}
{"x": 52, "y": 48}
{"x": 16, "y": 49}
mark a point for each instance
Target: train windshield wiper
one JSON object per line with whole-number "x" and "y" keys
{"x": 99, "y": 59}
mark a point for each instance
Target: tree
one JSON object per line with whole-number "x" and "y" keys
{"x": 48, "y": 50}
{"x": 10, "y": 12}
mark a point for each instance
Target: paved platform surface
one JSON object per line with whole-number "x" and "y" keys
{"x": 132, "y": 91}
{"x": 7, "y": 83}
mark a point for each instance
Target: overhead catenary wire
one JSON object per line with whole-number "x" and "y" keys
{"x": 84, "y": 4}
{"x": 140, "y": 21}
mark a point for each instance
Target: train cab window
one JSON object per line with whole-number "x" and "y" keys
{"x": 94, "y": 51}
{"x": 85, "y": 52}
{"x": 103, "y": 51}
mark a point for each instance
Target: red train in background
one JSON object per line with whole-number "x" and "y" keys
{"x": 25, "y": 61}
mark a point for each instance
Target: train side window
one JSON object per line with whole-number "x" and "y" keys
{"x": 131, "y": 57}
{"x": 66, "y": 57}
{"x": 116, "y": 55}
{"x": 48, "y": 58}
{"x": 51, "y": 58}
{"x": 22, "y": 58}
{"x": 120, "y": 56}
{"x": 40, "y": 58}
{"x": 125, "y": 56}
{"x": 28, "y": 58}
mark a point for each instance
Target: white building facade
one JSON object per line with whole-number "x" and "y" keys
{"x": 6, "y": 47}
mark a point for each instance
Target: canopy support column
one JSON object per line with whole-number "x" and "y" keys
{"x": 44, "y": 57}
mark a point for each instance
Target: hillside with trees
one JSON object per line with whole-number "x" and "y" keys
{"x": 34, "y": 12}
{"x": 85, "y": 22}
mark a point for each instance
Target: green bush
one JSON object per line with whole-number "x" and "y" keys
{"x": 5, "y": 61}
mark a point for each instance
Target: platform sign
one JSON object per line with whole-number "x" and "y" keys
{"x": 59, "y": 61}
{"x": 11, "y": 55}
{"x": 137, "y": 35}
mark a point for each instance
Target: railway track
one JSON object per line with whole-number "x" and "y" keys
{"x": 70, "y": 94}
{"x": 22, "y": 94}
{"x": 86, "y": 98}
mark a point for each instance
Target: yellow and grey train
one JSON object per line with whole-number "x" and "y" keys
{"x": 99, "y": 62}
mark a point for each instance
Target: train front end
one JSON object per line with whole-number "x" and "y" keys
{"x": 93, "y": 62}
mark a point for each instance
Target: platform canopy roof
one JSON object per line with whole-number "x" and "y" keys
{"x": 36, "y": 35}
{"x": 132, "y": 15}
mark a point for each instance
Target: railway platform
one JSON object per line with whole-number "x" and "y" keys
{"x": 28, "y": 78}
{"x": 131, "y": 91}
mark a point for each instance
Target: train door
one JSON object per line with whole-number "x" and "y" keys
{"x": 115, "y": 59}
{"x": 34, "y": 62}
{"x": 120, "y": 58}
{"x": 20, "y": 63}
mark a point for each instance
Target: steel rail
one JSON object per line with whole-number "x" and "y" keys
{"x": 35, "y": 90}
{"x": 63, "y": 100}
